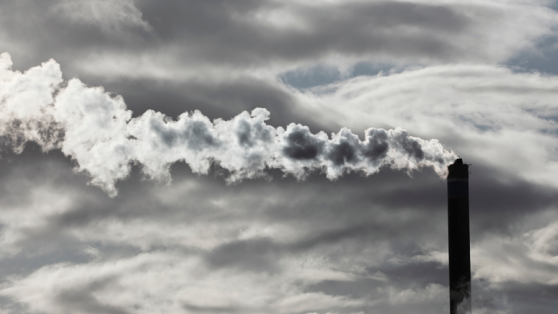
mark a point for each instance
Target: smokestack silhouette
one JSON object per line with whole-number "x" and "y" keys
{"x": 458, "y": 231}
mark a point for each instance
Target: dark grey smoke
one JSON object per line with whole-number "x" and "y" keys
{"x": 302, "y": 145}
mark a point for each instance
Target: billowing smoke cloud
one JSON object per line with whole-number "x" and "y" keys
{"x": 98, "y": 132}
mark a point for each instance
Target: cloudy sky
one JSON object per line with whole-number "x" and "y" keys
{"x": 275, "y": 156}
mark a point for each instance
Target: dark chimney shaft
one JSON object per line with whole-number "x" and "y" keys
{"x": 458, "y": 231}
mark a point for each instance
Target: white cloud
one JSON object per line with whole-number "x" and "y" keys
{"x": 486, "y": 114}
{"x": 528, "y": 258}
{"x": 166, "y": 282}
{"x": 431, "y": 293}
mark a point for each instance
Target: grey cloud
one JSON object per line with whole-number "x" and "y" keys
{"x": 379, "y": 28}
{"x": 489, "y": 196}
{"x": 213, "y": 309}
{"x": 339, "y": 219}
{"x": 415, "y": 273}
{"x": 249, "y": 255}
{"x": 518, "y": 296}
{"x": 347, "y": 233}
{"x": 240, "y": 35}
{"x": 219, "y": 99}
{"x": 83, "y": 300}
{"x": 111, "y": 17}
{"x": 494, "y": 194}
{"x": 349, "y": 31}
{"x": 378, "y": 240}
{"x": 262, "y": 254}
{"x": 363, "y": 288}
{"x": 317, "y": 200}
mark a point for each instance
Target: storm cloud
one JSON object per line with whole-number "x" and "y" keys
{"x": 273, "y": 102}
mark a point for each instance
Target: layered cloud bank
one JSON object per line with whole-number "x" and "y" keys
{"x": 463, "y": 73}
{"x": 148, "y": 39}
{"x": 98, "y": 132}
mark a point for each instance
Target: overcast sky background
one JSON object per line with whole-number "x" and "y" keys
{"x": 479, "y": 76}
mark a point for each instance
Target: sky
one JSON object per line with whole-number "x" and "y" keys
{"x": 266, "y": 156}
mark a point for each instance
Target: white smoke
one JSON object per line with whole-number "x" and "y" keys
{"x": 98, "y": 132}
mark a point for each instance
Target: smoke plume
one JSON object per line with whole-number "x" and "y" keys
{"x": 97, "y": 131}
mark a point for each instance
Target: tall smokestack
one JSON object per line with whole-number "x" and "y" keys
{"x": 458, "y": 231}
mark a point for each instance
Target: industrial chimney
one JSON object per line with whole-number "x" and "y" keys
{"x": 458, "y": 231}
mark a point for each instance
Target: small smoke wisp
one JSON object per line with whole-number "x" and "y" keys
{"x": 97, "y": 131}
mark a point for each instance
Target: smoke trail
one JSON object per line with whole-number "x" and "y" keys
{"x": 97, "y": 131}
